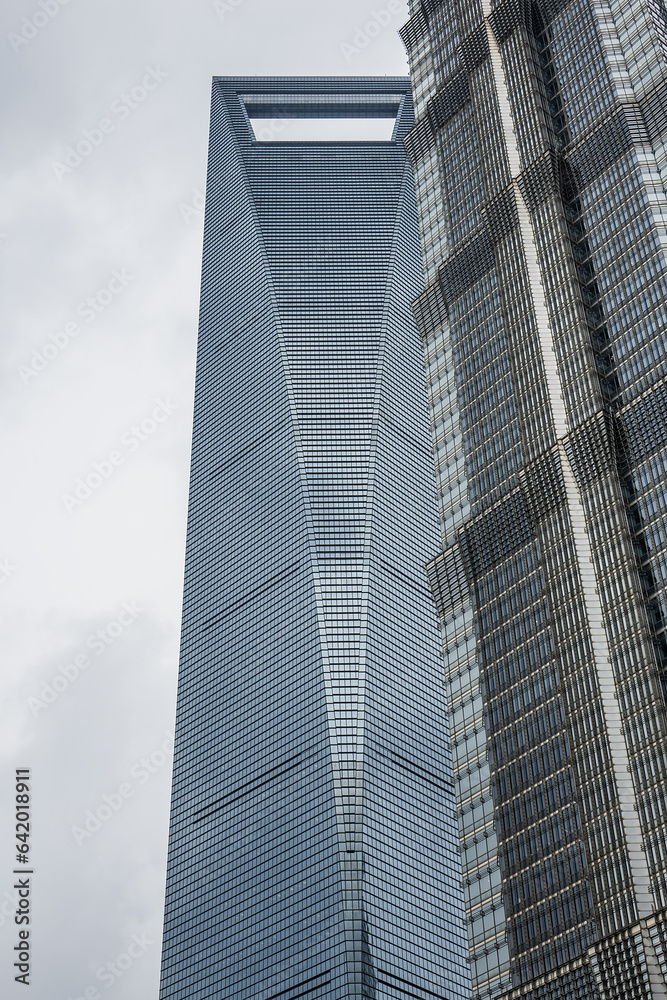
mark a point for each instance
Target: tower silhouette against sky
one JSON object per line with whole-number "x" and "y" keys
{"x": 540, "y": 151}
{"x": 313, "y": 845}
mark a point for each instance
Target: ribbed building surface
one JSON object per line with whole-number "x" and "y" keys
{"x": 313, "y": 837}
{"x": 541, "y": 164}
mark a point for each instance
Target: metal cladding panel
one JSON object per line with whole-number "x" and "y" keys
{"x": 313, "y": 839}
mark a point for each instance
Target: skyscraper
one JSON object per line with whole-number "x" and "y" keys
{"x": 313, "y": 838}
{"x": 541, "y": 162}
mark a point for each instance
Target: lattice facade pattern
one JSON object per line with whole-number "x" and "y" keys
{"x": 540, "y": 156}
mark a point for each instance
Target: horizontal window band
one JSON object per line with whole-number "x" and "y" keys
{"x": 423, "y": 591}
{"x": 406, "y": 437}
{"x": 291, "y": 764}
{"x": 420, "y": 772}
{"x": 340, "y": 557}
{"x": 251, "y": 786}
{"x": 262, "y": 439}
{"x": 273, "y": 581}
{"x": 406, "y": 982}
{"x": 290, "y": 989}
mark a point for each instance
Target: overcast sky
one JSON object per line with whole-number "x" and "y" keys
{"x": 100, "y": 256}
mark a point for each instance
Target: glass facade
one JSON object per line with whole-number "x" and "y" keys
{"x": 540, "y": 156}
{"x": 313, "y": 834}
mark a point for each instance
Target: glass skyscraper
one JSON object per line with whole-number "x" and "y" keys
{"x": 540, "y": 151}
{"x": 313, "y": 843}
